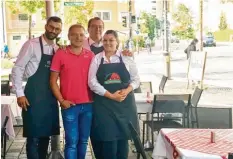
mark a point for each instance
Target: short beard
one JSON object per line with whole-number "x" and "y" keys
{"x": 48, "y": 37}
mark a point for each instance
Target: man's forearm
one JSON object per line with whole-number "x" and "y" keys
{"x": 56, "y": 91}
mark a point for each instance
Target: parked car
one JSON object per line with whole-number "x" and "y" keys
{"x": 209, "y": 41}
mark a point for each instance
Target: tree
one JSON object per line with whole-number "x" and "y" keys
{"x": 184, "y": 28}
{"x": 27, "y": 7}
{"x": 79, "y": 14}
{"x": 150, "y": 25}
{"x": 223, "y": 22}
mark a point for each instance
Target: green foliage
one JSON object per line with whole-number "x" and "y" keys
{"x": 223, "y": 35}
{"x": 79, "y": 14}
{"x": 150, "y": 26}
{"x": 223, "y": 22}
{"x": 29, "y": 7}
{"x": 183, "y": 17}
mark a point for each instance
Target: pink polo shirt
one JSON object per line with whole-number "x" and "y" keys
{"x": 73, "y": 74}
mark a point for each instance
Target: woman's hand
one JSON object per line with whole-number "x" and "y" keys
{"x": 124, "y": 92}
{"x": 117, "y": 96}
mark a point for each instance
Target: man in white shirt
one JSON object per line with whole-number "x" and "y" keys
{"x": 39, "y": 106}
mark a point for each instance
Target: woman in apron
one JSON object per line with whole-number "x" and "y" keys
{"x": 112, "y": 77}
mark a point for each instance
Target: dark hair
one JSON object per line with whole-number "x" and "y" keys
{"x": 114, "y": 33}
{"x": 93, "y": 19}
{"x": 194, "y": 41}
{"x": 54, "y": 19}
{"x": 76, "y": 26}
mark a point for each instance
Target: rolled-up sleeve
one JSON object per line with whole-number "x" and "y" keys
{"x": 93, "y": 83}
{"x": 133, "y": 71}
{"x": 18, "y": 70}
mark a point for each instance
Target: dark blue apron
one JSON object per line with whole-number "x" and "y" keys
{"x": 42, "y": 116}
{"x": 95, "y": 49}
{"x": 111, "y": 118}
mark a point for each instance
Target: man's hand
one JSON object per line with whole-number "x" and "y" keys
{"x": 127, "y": 53}
{"x": 117, "y": 96}
{"x": 65, "y": 104}
{"x": 62, "y": 47}
{"x": 23, "y": 102}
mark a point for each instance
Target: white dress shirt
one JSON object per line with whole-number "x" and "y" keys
{"x": 88, "y": 42}
{"x": 28, "y": 61}
{"x": 93, "y": 83}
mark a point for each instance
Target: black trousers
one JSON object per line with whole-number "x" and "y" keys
{"x": 37, "y": 148}
{"x": 117, "y": 149}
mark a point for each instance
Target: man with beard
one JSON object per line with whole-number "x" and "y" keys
{"x": 39, "y": 106}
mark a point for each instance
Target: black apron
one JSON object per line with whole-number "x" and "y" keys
{"x": 42, "y": 116}
{"x": 95, "y": 49}
{"x": 111, "y": 118}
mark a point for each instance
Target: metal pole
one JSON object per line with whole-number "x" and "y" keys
{"x": 130, "y": 19}
{"x": 55, "y": 140}
{"x": 131, "y": 44}
{"x": 166, "y": 33}
{"x": 201, "y": 25}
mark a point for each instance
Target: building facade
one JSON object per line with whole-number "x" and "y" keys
{"x": 111, "y": 11}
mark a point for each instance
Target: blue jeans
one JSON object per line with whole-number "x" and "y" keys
{"x": 77, "y": 124}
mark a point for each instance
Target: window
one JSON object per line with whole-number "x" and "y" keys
{"x": 104, "y": 15}
{"x": 23, "y": 17}
{"x": 98, "y": 14}
{"x": 17, "y": 37}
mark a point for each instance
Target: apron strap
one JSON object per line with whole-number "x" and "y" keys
{"x": 121, "y": 61}
{"x": 41, "y": 46}
{"x": 102, "y": 61}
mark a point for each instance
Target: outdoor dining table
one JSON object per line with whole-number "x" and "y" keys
{"x": 6, "y": 110}
{"x": 193, "y": 144}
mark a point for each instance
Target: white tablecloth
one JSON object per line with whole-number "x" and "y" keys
{"x": 164, "y": 149}
{"x": 12, "y": 101}
{"x": 6, "y": 111}
{"x": 143, "y": 106}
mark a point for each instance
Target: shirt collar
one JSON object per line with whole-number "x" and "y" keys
{"x": 118, "y": 54}
{"x": 45, "y": 43}
{"x": 56, "y": 47}
{"x": 92, "y": 42}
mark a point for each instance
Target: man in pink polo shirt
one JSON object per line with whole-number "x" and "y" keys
{"x": 71, "y": 65}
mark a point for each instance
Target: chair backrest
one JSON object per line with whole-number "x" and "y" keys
{"x": 144, "y": 87}
{"x": 162, "y": 83}
{"x": 170, "y": 103}
{"x": 5, "y": 87}
{"x": 10, "y": 77}
{"x": 196, "y": 96}
{"x": 137, "y": 142}
{"x": 4, "y": 124}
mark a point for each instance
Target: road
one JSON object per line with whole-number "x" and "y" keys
{"x": 219, "y": 64}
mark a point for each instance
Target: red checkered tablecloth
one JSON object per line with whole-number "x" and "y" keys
{"x": 200, "y": 140}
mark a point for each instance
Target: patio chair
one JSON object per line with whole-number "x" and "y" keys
{"x": 137, "y": 142}
{"x": 168, "y": 103}
{"x": 3, "y": 137}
